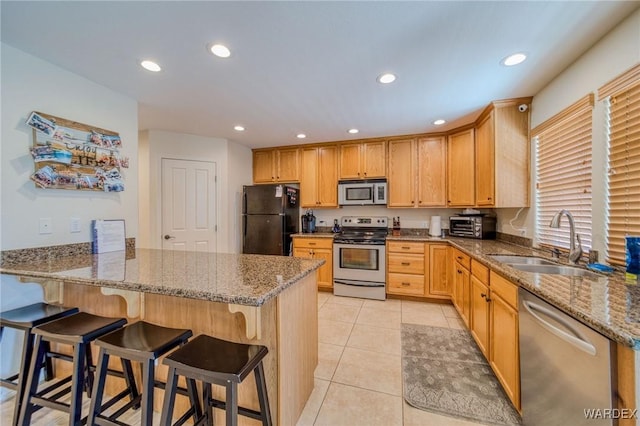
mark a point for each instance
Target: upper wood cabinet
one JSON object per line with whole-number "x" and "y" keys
{"x": 319, "y": 177}
{"x": 502, "y": 155}
{"x": 417, "y": 172}
{"x": 461, "y": 169}
{"x": 276, "y": 165}
{"x": 363, "y": 160}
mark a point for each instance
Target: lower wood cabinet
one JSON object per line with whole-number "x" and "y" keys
{"x": 480, "y": 306}
{"x": 461, "y": 284}
{"x": 418, "y": 269}
{"x": 317, "y": 248}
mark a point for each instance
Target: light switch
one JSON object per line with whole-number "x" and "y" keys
{"x": 46, "y": 225}
{"x": 74, "y": 225}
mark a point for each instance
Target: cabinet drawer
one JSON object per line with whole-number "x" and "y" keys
{"x": 406, "y": 264}
{"x": 406, "y": 284}
{"x": 313, "y": 243}
{"x": 505, "y": 289}
{"x": 462, "y": 258}
{"x": 406, "y": 247}
{"x": 480, "y": 271}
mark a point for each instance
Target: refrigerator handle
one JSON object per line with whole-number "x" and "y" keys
{"x": 244, "y": 202}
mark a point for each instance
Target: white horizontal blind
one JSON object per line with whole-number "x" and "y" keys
{"x": 563, "y": 173}
{"x": 623, "y": 129}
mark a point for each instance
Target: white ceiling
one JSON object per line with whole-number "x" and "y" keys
{"x": 310, "y": 67}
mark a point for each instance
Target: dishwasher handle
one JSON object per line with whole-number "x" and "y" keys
{"x": 579, "y": 342}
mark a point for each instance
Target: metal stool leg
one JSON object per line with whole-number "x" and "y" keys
{"x": 31, "y": 386}
{"x": 98, "y": 391}
{"x": 169, "y": 398}
{"x": 232, "y": 404}
{"x": 77, "y": 384}
{"x": 148, "y": 378}
{"x": 48, "y": 363}
{"x": 263, "y": 397}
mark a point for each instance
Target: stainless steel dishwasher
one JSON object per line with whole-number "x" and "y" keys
{"x": 565, "y": 367}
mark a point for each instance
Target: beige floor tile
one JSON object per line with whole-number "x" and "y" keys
{"x": 343, "y": 300}
{"x": 370, "y": 370}
{"x": 334, "y": 332}
{"x": 456, "y": 323}
{"x": 415, "y": 417}
{"x": 378, "y": 318}
{"x": 350, "y": 406}
{"x": 425, "y": 318}
{"x": 450, "y": 311}
{"x": 328, "y": 358}
{"x": 338, "y": 312}
{"x": 310, "y": 412}
{"x": 375, "y": 339}
{"x": 324, "y": 296}
{"x": 383, "y": 305}
{"x": 411, "y": 306}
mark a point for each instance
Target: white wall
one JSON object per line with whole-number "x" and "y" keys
{"x": 233, "y": 168}
{"x": 31, "y": 84}
{"x": 615, "y": 53}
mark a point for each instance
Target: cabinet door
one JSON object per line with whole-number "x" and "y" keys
{"x": 461, "y": 288}
{"x": 401, "y": 180}
{"x": 327, "y": 184}
{"x": 288, "y": 169}
{"x": 432, "y": 160}
{"x": 504, "y": 356}
{"x": 439, "y": 284}
{"x": 373, "y": 159}
{"x": 309, "y": 178}
{"x": 325, "y": 273}
{"x": 460, "y": 169}
{"x": 485, "y": 162}
{"x": 480, "y": 314}
{"x": 304, "y": 253}
{"x": 263, "y": 166}
{"x": 350, "y": 161}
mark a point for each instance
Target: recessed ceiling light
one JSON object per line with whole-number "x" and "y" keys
{"x": 238, "y": 128}
{"x": 301, "y": 136}
{"x": 353, "y": 131}
{"x": 439, "y": 122}
{"x": 220, "y": 50}
{"x": 150, "y": 66}
{"x": 515, "y": 59}
{"x": 386, "y": 78}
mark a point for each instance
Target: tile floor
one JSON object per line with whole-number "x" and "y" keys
{"x": 358, "y": 381}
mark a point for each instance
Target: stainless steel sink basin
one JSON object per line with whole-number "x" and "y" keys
{"x": 520, "y": 260}
{"x": 554, "y": 269}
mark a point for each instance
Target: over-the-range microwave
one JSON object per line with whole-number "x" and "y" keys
{"x": 362, "y": 192}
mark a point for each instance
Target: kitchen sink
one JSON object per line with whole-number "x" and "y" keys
{"x": 554, "y": 269}
{"x": 520, "y": 260}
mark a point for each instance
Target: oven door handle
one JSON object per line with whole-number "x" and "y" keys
{"x": 358, "y": 283}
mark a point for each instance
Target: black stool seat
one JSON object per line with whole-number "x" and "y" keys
{"x": 220, "y": 362}
{"x": 142, "y": 342}
{"x": 24, "y": 319}
{"x": 77, "y": 330}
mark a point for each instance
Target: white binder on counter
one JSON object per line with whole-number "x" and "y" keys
{"x": 108, "y": 235}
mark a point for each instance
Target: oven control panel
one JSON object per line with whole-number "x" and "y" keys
{"x": 364, "y": 221}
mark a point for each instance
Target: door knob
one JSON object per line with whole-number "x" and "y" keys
{"x": 168, "y": 237}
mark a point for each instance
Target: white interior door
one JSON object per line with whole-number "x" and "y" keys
{"x": 188, "y": 205}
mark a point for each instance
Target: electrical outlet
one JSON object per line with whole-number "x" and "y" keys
{"x": 74, "y": 225}
{"x": 425, "y": 224}
{"x": 46, "y": 225}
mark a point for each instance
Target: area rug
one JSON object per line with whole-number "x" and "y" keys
{"x": 444, "y": 372}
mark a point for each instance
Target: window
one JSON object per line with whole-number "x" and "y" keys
{"x": 563, "y": 173}
{"x": 622, "y": 101}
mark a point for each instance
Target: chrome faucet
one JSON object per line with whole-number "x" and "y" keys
{"x": 574, "y": 252}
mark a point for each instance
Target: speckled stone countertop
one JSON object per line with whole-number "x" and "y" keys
{"x": 316, "y": 235}
{"x": 606, "y": 303}
{"x": 243, "y": 279}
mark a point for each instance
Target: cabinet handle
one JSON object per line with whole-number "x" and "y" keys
{"x": 459, "y": 257}
{"x": 365, "y": 173}
{"x": 488, "y": 198}
{"x": 406, "y": 263}
{"x": 484, "y": 296}
{"x": 488, "y": 300}
{"x": 406, "y": 284}
{"x": 459, "y": 271}
{"x": 312, "y": 244}
{"x": 406, "y": 248}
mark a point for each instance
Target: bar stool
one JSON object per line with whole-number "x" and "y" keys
{"x": 142, "y": 342}
{"x": 215, "y": 361}
{"x": 25, "y": 318}
{"x": 77, "y": 330}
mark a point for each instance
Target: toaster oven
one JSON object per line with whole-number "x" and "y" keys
{"x": 479, "y": 227}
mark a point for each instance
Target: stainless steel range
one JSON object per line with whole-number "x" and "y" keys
{"x": 359, "y": 263}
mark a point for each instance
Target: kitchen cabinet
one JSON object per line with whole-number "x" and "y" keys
{"x": 502, "y": 155}
{"x": 480, "y": 299}
{"x": 504, "y": 355}
{"x": 317, "y": 248}
{"x": 319, "y": 177}
{"x": 417, "y": 172}
{"x": 276, "y": 165}
{"x": 461, "y": 284}
{"x": 439, "y": 282}
{"x": 461, "y": 169}
{"x": 363, "y": 160}
{"x": 406, "y": 268}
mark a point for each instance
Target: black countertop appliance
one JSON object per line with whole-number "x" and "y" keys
{"x": 308, "y": 222}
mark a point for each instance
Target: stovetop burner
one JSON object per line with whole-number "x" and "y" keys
{"x": 362, "y": 230}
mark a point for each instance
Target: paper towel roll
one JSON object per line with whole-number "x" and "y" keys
{"x": 435, "y": 227}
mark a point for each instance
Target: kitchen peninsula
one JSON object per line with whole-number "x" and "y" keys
{"x": 267, "y": 300}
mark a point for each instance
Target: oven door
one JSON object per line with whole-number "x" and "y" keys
{"x": 359, "y": 263}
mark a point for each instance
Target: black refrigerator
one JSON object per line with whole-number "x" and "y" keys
{"x": 270, "y": 215}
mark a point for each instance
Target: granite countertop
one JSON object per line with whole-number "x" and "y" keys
{"x": 243, "y": 279}
{"x": 315, "y": 235}
{"x": 606, "y": 303}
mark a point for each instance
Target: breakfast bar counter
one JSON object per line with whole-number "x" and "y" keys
{"x": 267, "y": 300}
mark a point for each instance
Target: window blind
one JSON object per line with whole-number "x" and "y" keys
{"x": 623, "y": 198}
{"x": 563, "y": 174}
